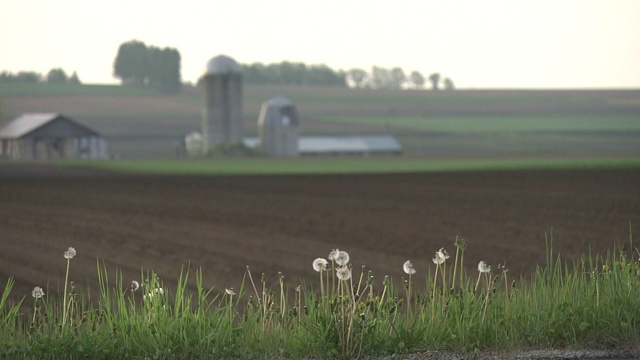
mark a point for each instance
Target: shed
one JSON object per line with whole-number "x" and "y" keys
{"x": 40, "y": 136}
{"x": 278, "y": 127}
{"x": 359, "y": 145}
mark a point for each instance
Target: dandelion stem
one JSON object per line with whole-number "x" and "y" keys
{"x": 64, "y": 298}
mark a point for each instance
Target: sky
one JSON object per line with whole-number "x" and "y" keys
{"x": 477, "y": 44}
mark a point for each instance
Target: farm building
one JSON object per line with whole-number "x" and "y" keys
{"x": 278, "y": 125}
{"x": 43, "y": 136}
{"x": 363, "y": 145}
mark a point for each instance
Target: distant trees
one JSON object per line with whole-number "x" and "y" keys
{"x": 416, "y": 79}
{"x": 358, "y": 77}
{"x": 393, "y": 79}
{"x": 435, "y": 81}
{"x": 57, "y": 76}
{"x": 448, "y": 84}
{"x": 139, "y": 64}
{"x": 292, "y": 73}
{"x": 54, "y": 76}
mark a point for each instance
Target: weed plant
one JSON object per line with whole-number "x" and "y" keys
{"x": 592, "y": 302}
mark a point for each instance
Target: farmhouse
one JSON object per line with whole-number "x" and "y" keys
{"x": 43, "y": 136}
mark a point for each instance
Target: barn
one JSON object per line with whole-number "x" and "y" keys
{"x": 49, "y": 136}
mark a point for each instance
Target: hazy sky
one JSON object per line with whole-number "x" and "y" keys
{"x": 477, "y": 43}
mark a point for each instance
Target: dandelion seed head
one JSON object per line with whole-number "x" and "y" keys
{"x": 441, "y": 257}
{"x": 70, "y": 253}
{"x": 483, "y": 267}
{"x": 408, "y": 267}
{"x": 333, "y": 254}
{"x": 320, "y": 264}
{"x": 342, "y": 258}
{"x": 343, "y": 273}
{"x": 230, "y": 292}
{"x": 37, "y": 292}
{"x": 135, "y": 285}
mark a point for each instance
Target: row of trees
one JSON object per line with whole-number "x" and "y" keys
{"x": 291, "y": 73}
{"x": 300, "y": 74}
{"x": 54, "y": 76}
{"x": 394, "y": 78}
{"x": 139, "y": 64}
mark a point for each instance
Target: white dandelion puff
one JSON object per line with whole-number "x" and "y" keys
{"x": 135, "y": 285}
{"x": 230, "y": 292}
{"x": 37, "y": 292}
{"x": 483, "y": 267}
{"x": 70, "y": 253}
{"x": 342, "y": 258}
{"x": 441, "y": 257}
{"x": 320, "y": 264}
{"x": 333, "y": 254}
{"x": 343, "y": 273}
{"x": 408, "y": 268}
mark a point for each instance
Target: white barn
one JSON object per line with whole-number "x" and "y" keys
{"x": 44, "y": 136}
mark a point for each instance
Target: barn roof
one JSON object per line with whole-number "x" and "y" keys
{"x": 348, "y": 144}
{"x": 31, "y": 122}
{"x": 335, "y": 145}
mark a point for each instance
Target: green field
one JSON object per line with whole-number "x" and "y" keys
{"x": 141, "y": 124}
{"x": 265, "y": 166}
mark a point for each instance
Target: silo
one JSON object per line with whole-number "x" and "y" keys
{"x": 222, "y": 105}
{"x": 278, "y": 127}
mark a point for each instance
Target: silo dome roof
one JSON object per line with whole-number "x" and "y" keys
{"x": 222, "y": 64}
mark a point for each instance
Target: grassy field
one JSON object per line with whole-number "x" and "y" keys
{"x": 139, "y": 123}
{"x": 265, "y": 166}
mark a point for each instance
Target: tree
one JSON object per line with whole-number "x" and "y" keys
{"x": 448, "y": 84}
{"x": 131, "y": 64}
{"x": 435, "y": 81}
{"x": 381, "y": 78}
{"x": 74, "y": 79}
{"x": 358, "y": 77}
{"x": 151, "y": 66}
{"x": 398, "y": 78}
{"x": 56, "y": 76}
{"x": 416, "y": 79}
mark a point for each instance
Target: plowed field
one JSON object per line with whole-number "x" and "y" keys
{"x": 281, "y": 223}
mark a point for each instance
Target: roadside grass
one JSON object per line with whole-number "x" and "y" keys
{"x": 347, "y": 165}
{"x": 592, "y": 303}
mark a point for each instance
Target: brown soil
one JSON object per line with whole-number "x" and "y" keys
{"x": 281, "y": 223}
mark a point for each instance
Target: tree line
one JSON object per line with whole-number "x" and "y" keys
{"x": 296, "y": 73}
{"x": 54, "y": 76}
{"x": 142, "y": 65}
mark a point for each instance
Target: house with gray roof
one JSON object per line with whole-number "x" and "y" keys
{"x": 48, "y": 136}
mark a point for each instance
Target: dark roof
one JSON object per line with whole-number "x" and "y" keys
{"x": 44, "y": 124}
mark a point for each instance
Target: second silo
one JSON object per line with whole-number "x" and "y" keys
{"x": 278, "y": 127}
{"x": 222, "y": 106}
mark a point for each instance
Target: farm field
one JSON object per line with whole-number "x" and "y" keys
{"x": 282, "y": 222}
{"x": 139, "y": 124}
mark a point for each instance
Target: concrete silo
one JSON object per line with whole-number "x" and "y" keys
{"x": 278, "y": 127}
{"x": 222, "y": 106}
